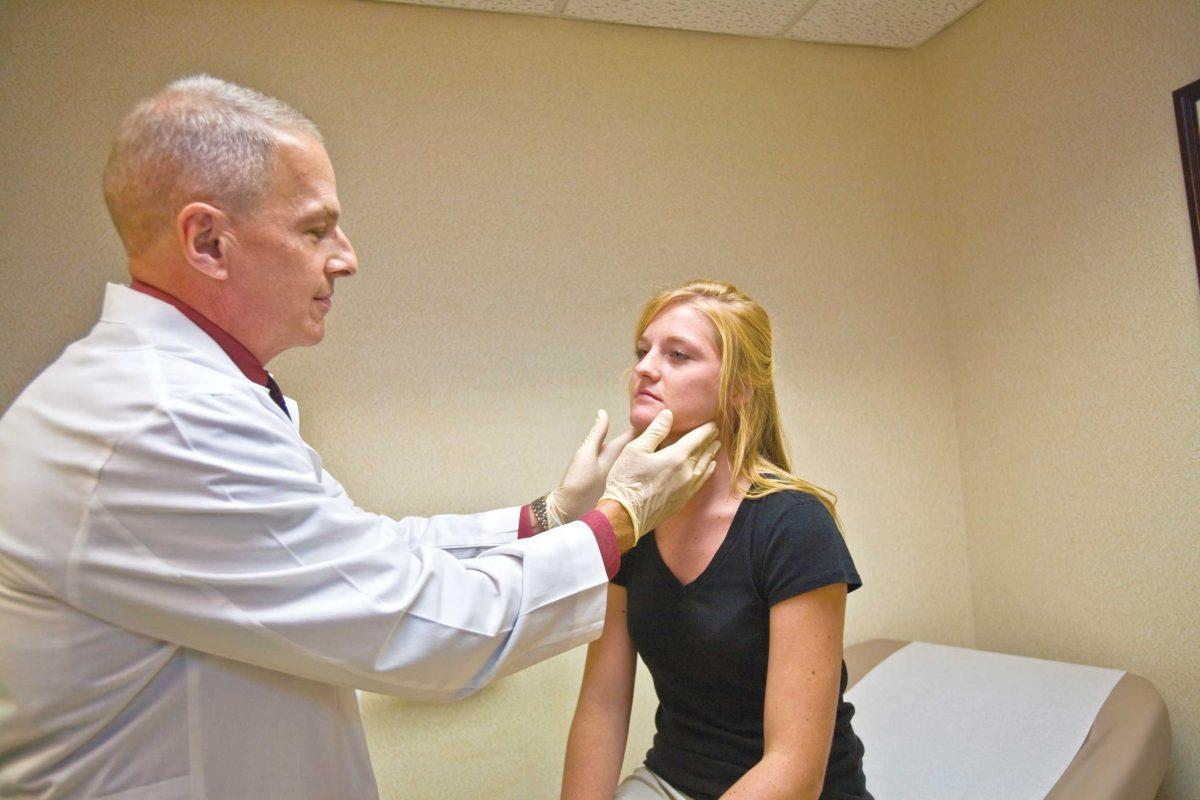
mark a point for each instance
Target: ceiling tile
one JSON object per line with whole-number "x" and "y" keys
{"x": 744, "y": 17}
{"x": 884, "y": 23}
{"x": 513, "y": 6}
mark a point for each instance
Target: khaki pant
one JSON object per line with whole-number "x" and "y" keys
{"x": 642, "y": 784}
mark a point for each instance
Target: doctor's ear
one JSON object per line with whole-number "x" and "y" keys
{"x": 203, "y": 232}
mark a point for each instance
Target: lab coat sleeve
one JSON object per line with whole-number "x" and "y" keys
{"x": 211, "y": 527}
{"x": 461, "y": 535}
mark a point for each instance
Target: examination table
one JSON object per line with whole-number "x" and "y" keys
{"x": 1123, "y": 757}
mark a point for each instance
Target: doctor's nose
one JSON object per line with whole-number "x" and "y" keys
{"x": 344, "y": 263}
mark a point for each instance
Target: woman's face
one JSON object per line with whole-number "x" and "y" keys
{"x": 678, "y": 367}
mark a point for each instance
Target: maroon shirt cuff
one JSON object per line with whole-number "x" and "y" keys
{"x": 525, "y": 525}
{"x": 606, "y": 540}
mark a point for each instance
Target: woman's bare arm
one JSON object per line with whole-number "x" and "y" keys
{"x": 596, "y": 745}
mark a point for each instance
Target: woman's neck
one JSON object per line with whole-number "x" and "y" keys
{"x": 717, "y": 497}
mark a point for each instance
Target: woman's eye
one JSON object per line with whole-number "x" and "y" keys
{"x": 317, "y": 233}
{"x": 640, "y": 354}
{"x": 679, "y": 355}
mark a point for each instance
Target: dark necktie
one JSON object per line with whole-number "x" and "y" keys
{"x": 276, "y": 394}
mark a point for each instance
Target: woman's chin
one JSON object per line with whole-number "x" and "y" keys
{"x": 641, "y": 417}
{"x": 639, "y": 420}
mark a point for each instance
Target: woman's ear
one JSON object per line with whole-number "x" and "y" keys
{"x": 203, "y": 232}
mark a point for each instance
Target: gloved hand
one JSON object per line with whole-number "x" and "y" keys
{"x": 652, "y": 486}
{"x": 583, "y": 482}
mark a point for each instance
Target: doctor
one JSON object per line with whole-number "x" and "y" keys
{"x": 187, "y": 598}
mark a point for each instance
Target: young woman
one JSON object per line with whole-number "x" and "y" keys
{"x": 736, "y": 604}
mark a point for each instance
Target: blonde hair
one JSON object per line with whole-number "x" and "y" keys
{"x": 747, "y": 411}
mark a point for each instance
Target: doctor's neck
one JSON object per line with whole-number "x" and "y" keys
{"x": 205, "y": 296}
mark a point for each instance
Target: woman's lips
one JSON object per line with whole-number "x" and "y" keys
{"x": 650, "y": 395}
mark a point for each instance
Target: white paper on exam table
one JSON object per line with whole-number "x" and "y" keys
{"x": 948, "y": 722}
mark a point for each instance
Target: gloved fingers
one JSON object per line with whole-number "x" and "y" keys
{"x": 694, "y": 441}
{"x": 708, "y": 472}
{"x": 610, "y": 451}
{"x": 707, "y": 458}
{"x": 595, "y": 437}
{"x": 655, "y": 432}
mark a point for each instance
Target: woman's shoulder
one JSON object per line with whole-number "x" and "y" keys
{"x": 797, "y": 546}
{"x": 793, "y": 515}
{"x": 792, "y": 503}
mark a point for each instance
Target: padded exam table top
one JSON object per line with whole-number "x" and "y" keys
{"x": 1125, "y": 754}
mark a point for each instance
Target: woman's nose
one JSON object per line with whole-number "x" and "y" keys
{"x": 646, "y": 368}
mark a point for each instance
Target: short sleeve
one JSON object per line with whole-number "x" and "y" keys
{"x": 622, "y": 576}
{"x": 805, "y": 550}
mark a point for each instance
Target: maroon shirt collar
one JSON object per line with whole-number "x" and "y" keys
{"x": 250, "y": 366}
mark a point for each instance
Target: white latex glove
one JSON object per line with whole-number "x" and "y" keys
{"x": 583, "y": 482}
{"x": 652, "y": 486}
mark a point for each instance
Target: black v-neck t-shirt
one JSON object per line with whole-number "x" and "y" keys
{"x": 706, "y": 643}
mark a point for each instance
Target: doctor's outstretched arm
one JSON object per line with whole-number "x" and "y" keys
{"x": 225, "y": 540}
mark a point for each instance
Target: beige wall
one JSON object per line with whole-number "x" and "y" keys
{"x": 518, "y": 186}
{"x": 1073, "y": 312}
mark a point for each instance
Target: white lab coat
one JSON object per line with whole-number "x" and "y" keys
{"x": 188, "y": 599}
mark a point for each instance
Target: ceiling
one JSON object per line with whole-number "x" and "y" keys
{"x": 877, "y": 23}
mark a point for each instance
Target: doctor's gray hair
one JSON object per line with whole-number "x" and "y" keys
{"x": 201, "y": 139}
